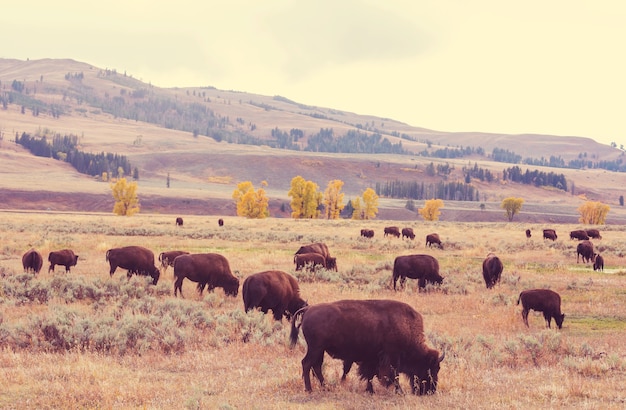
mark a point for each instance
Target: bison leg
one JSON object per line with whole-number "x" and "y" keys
{"x": 278, "y": 312}
{"x": 347, "y": 365}
{"x": 178, "y": 287}
{"x": 112, "y": 270}
{"x": 548, "y": 318}
{"x": 51, "y": 268}
{"x": 525, "y": 316}
{"x": 312, "y": 359}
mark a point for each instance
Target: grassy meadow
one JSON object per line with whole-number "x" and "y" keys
{"x": 88, "y": 340}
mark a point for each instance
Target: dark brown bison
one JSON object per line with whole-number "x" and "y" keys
{"x": 135, "y": 259}
{"x": 594, "y": 233}
{"x": 275, "y": 290}
{"x": 64, "y": 257}
{"x": 32, "y": 261}
{"x": 384, "y": 337}
{"x": 408, "y": 233}
{"x": 542, "y": 300}
{"x": 492, "y": 270}
{"x": 579, "y": 234}
{"x": 392, "y": 230}
{"x": 321, "y": 249}
{"x": 167, "y": 258}
{"x": 310, "y": 260}
{"x": 528, "y": 234}
{"x": 549, "y": 234}
{"x": 207, "y": 269}
{"x": 367, "y": 233}
{"x": 179, "y": 221}
{"x": 598, "y": 263}
{"x": 433, "y": 239}
{"x": 220, "y": 222}
{"x": 331, "y": 263}
{"x": 424, "y": 268}
{"x": 585, "y": 249}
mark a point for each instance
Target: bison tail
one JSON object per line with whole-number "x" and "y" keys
{"x": 107, "y": 255}
{"x": 295, "y": 329}
{"x": 519, "y": 298}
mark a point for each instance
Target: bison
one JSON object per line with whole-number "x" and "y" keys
{"x": 579, "y": 234}
{"x": 64, "y": 257}
{"x": 433, "y": 239}
{"x": 492, "y": 270}
{"x": 528, "y": 234}
{"x": 220, "y": 222}
{"x": 367, "y": 233}
{"x": 207, "y": 269}
{"x": 594, "y": 233}
{"x": 424, "y": 268}
{"x": 135, "y": 259}
{"x": 310, "y": 259}
{"x": 585, "y": 249}
{"x": 32, "y": 261}
{"x": 598, "y": 263}
{"x": 549, "y": 234}
{"x": 392, "y": 230}
{"x": 384, "y": 337}
{"x": 321, "y": 249}
{"x": 275, "y": 290}
{"x": 179, "y": 221}
{"x": 542, "y": 300}
{"x": 167, "y": 258}
{"x": 408, "y": 233}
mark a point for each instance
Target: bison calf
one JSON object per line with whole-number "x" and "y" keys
{"x": 65, "y": 257}
{"x": 598, "y": 263}
{"x": 310, "y": 260}
{"x": 275, "y": 290}
{"x": 542, "y": 300}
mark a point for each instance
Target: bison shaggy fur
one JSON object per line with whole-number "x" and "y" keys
{"x": 207, "y": 269}
{"x": 32, "y": 261}
{"x": 542, "y": 300}
{"x": 64, "y": 257}
{"x": 135, "y": 259}
{"x": 384, "y": 337}
{"x": 492, "y": 270}
{"x": 424, "y": 268}
{"x": 275, "y": 290}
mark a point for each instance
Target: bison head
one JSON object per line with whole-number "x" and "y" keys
{"x": 231, "y": 288}
{"x": 423, "y": 370}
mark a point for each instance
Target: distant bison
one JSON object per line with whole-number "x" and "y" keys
{"x": 310, "y": 260}
{"x": 585, "y": 249}
{"x": 424, "y": 268}
{"x": 598, "y": 263}
{"x": 528, "y": 234}
{"x": 549, "y": 234}
{"x": 433, "y": 239}
{"x": 64, "y": 257}
{"x": 367, "y": 233}
{"x": 408, "y": 233}
{"x": 392, "y": 230}
{"x": 542, "y": 300}
{"x": 167, "y": 258}
{"x": 32, "y": 261}
{"x": 275, "y": 290}
{"x": 594, "y": 233}
{"x": 321, "y": 249}
{"x": 207, "y": 269}
{"x": 579, "y": 234}
{"x": 179, "y": 221}
{"x": 135, "y": 259}
{"x": 385, "y": 338}
{"x": 492, "y": 270}
{"x": 220, "y": 222}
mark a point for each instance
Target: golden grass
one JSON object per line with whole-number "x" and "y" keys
{"x": 492, "y": 359}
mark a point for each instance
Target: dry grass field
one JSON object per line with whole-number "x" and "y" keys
{"x": 88, "y": 340}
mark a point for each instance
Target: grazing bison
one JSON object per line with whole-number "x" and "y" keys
{"x": 331, "y": 263}
{"x": 598, "y": 263}
{"x": 408, "y": 233}
{"x": 585, "y": 249}
{"x": 179, "y": 221}
{"x": 64, "y": 257}
{"x": 135, "y": 259}
{"x": 321, "y": 249}
{"x": 549, "y": 234}
{"x": 32, "y": 261}
{"x": 367, "y": 233}
{"x": 528, "y": 234}
{"x": 492, "y": 270}
{"x": 594, "y": 233}
{"x": 384, "y": 337}
{"x": 392, "y": 230}
{"x": 433, "y": 239}
{"x": 579, "y": 234}
{"x": 424, "y": 268}
{"x": 273, "y": 290}
{"x": 310, "y": 260}
{"x": 207, "y": 269}
{"x": 542, "y": 300}
{"x": 220, "y": 222}
{"x": 167, "y": 258}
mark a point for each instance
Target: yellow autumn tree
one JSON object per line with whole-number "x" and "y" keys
{"x": 305, "y": 198}
{"x": 357, "y": 208}
{"x": 125, "y": 195}
{"x": 430, "y": 211}
{"x": 251, "y": 203}
{"x": 511, "y": 206}
{"x": 333, "y": 199}
{"x": 370, "y": 204}
{"x": 593, "y": 212}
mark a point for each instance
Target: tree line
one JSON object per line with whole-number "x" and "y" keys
{"x": 536, "y": 177}
{"x": 455, "y": 191}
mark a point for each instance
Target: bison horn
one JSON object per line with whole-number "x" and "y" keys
{"x": 443, "y": 355}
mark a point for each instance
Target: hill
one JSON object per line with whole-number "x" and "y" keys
{"x": 207, "y": 140}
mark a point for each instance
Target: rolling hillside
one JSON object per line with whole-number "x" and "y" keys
{"x": 208, "y": 140}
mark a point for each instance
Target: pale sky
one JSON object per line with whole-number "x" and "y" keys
{"x": 535, "y": 66}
